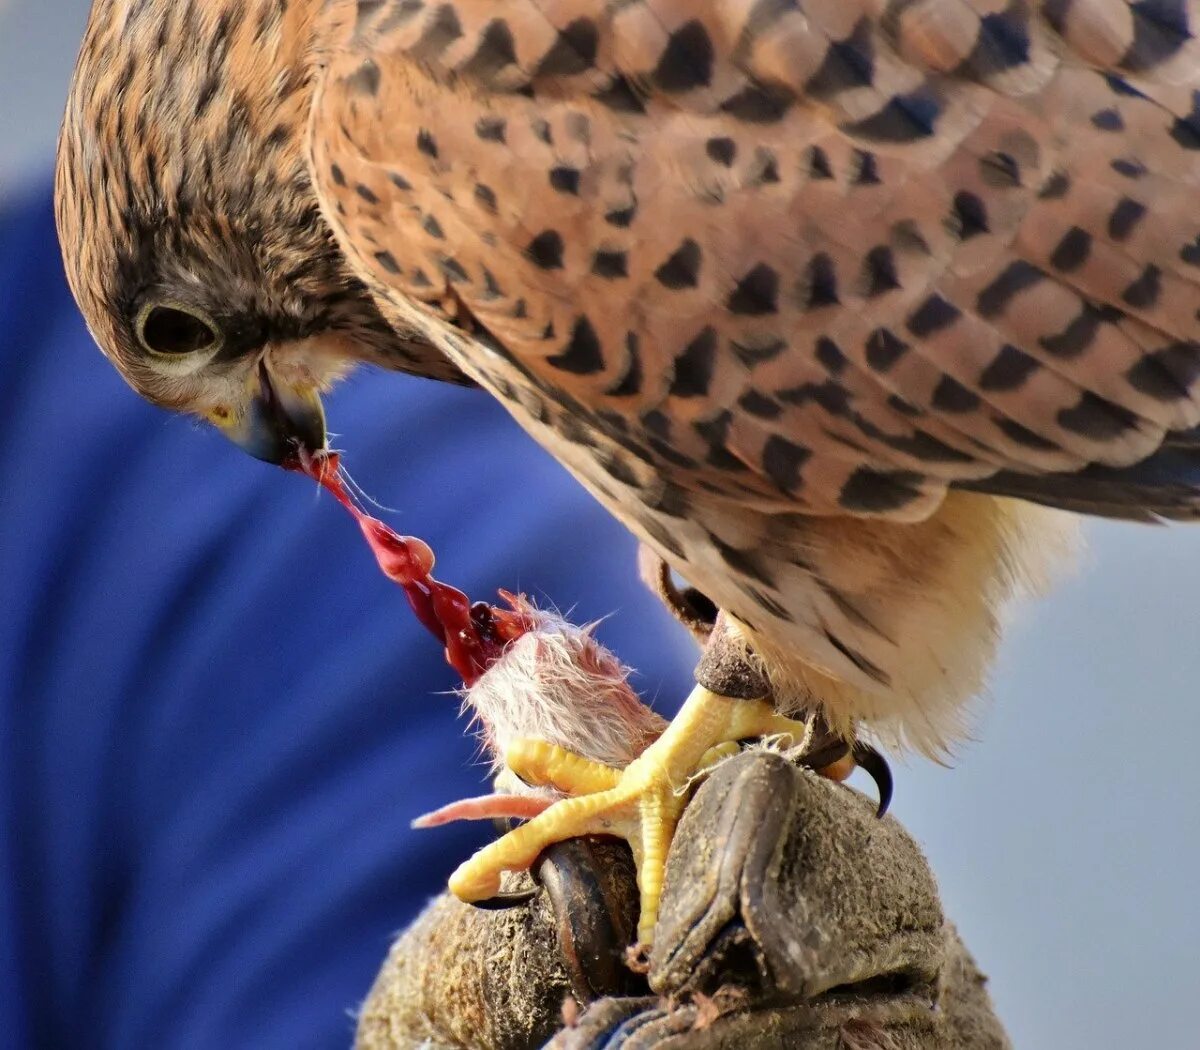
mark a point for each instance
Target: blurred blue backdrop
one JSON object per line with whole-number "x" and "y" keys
{"x": 213, "y": 731}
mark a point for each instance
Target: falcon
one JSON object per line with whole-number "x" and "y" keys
{"x": 827, "y": 300}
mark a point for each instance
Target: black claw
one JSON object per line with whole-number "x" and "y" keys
{"x": 877, "y": 768}
{"x": 514, "y": 898}
{"x": 825, "y": 754}
{"x": 594, "y": 924}
{"x": 504, "y": 901}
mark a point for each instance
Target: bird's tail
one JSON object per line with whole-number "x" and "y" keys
{"x": 1163, "y": 487}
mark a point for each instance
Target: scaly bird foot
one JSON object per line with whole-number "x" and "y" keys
{"x": 641, "y": 803}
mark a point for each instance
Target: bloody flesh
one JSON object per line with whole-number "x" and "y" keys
{"x": 473, "y": 635}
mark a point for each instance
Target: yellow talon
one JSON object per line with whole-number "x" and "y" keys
{"x": 641, "y": 803}
{"x": 717, "y": 754}
{"x": 541, "y": 763}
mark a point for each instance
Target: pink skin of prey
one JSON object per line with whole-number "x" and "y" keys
{"x": 486, "y": 807}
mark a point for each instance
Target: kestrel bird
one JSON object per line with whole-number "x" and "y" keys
{"x": 827, "y": 300}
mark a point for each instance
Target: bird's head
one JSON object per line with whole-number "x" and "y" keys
{"x": 192, "y": 236}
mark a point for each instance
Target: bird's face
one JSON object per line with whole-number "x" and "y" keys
{"x": 205, "y": 315}
{"x": 191, "y": 233}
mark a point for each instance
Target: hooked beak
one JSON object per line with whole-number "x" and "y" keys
{"x": 278, "y": 421}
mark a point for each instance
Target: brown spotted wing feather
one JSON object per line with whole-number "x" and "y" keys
{"x": 837, "y": 254}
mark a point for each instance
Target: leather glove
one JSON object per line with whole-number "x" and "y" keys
{"x": 791, "y": 917}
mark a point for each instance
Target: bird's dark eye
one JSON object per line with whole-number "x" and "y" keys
{"x": 172, "y": 330}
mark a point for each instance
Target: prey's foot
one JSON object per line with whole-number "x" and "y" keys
{"x": 641, "y": 803}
